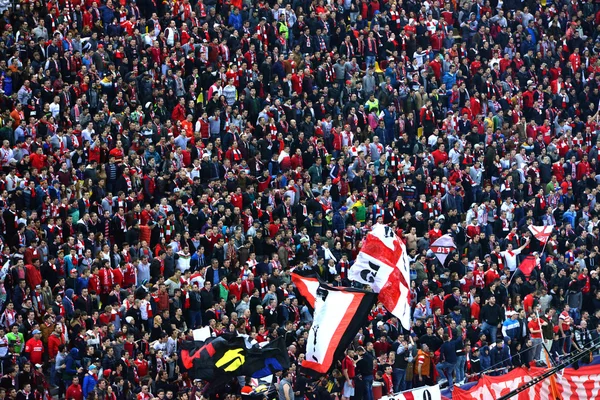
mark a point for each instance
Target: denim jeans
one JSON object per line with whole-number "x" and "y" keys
{"x": 195, "y": 319}
{"x": 369, "y": 60}
{"x": 398, "y": 376}
{"x": 491, "y": 332}
{"x": 564, "y": 344}
{"x": 460, "y": 368}
{"x": 575, "y": 313}
{"x": 537, "y": 349}
{"x": 445, "y": 369}
{"x": 53, "y": 373}
{"x": 368, "y": 382}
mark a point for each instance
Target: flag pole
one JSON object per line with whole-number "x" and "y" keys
{"x": 544, "y": 248}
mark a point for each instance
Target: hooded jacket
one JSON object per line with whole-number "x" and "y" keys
{"x": 67, "y": 302}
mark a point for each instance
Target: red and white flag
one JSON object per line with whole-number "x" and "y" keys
{"x": 541, "y": 233}
{"x": 383, "y": 264}
{"x": 528, "y": 265}
{"x": 442, "y": 247}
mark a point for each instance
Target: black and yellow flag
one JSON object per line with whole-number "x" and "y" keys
{"x": 219, "y": 359}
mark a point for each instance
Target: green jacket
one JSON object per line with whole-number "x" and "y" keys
{"x": 361, "y": 211}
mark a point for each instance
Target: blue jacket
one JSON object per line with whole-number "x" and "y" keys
{"x": 107, "y": 16}
{"x": 500, "y": 357}
{"x": 235, "y": 21}
{"x": 89, "y": 383}
{"x": 569, "y": 216}
{"x": 526, "y": 46}
{"x": 71, "y": 363}
{"x": 8, "y": 85}
{"x": 68, "y": 303}
{"x": 338, "y": 222}
{"x": 449, "y": 79}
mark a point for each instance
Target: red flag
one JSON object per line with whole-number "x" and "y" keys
{"x": 527, "y": 265}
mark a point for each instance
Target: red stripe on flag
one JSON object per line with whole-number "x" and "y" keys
{"x": 378, "y": 250}
{"x": 324, "y": 365}
{"x": 300, "y": 282}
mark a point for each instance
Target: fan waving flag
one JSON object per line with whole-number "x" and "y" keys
{"x": 528, "y": 265}
{"x": 541, "y": 233}
{"x": 339, "y": 314}
{"x": 383, "y": 264}
{"x": 442, "y": 247}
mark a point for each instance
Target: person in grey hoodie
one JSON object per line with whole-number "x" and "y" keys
{"x": 369, "y": 82}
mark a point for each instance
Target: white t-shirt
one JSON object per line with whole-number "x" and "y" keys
{"x": 510, "y": 258}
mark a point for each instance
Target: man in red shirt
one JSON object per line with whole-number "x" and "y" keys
{"x": 564, "y": 325}
{"x": 74, "y": 391}
{"x": 528, "y": 302}
{"x": 35, "y": 348}
{"x": 440, "y": 155}
{"x": 387, "y": 379}
{"x": 142, "y": 365}
{"x": 55, "y": 340}
{"x": 476, "y": 307}
{"x": 535, "y": 331}
{"x": 348, "y": 371}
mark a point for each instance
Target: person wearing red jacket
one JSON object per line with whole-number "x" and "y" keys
{"x": 142, "y": 365}
{"x": 107, "y": 278}
{"x": 235, "y": 288}
{"x": 491, "y": 275}
{"x": 435, "y": 233}
{"x": 118, "y": 276}
{"x": 297, "y": 82}
{"x": 437, "y": 301}
{"x": 94, "y": 281}
{"x": 440, "y": 155}
{"x": 33, "y": 275}
{"x": 583, "y": 168}
{"x": 473, "y": 229}
{"x": 74, "y": 391}
{"x": 178, "y": 113}
{"x": 558, "y": 170}
{"x": 54, "y": 341}
{"x": 575, "y": 59}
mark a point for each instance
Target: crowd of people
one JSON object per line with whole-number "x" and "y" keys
{"x": 166, "y": 164}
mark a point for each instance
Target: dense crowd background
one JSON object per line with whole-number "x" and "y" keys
{"x": 166, "y": 163}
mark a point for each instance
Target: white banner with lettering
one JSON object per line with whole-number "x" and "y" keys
{"x": 423, "y": 393}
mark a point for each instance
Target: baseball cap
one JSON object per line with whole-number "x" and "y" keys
{"x": 36, "y": 332}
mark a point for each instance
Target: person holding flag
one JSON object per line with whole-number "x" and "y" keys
{"x": 510, "y": 255}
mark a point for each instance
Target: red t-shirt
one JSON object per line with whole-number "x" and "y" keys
{"x": 35, "y": 348}
{"x": 535, "y": 324}
{"x": 528, "y": 303}
{"x": 348, "y": 364}
{"x": 565, "y": 320}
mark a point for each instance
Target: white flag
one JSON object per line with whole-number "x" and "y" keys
{"x": 541, "y": 233}
{"x": 442, "y": 247}
{"x": 425, "y": 392}
{"x": 383, "y": 264}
